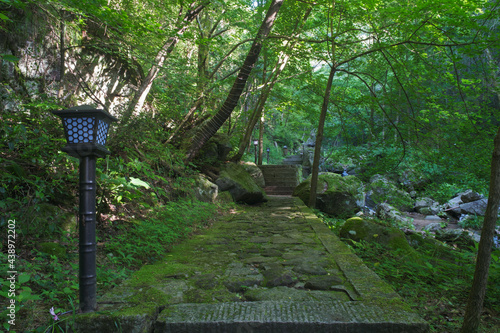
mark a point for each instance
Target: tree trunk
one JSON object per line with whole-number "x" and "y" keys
{"x": 319, "y": 139}
{"x": 143, "y": 91}
{"x": 476, "y": 297}
{"x": 207, "y": 131}
{"x": 261, "y": 140}
{"x": 268, "y": 86}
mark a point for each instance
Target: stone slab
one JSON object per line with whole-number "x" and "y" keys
{"x": 289, "y": 317}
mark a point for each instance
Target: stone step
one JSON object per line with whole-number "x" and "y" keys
{"x": 280, "y": 179}
{"x": 289, "y": 317}
{"x": 279, "y": 190}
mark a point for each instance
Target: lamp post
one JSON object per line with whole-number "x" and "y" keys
{"x": 285, "y": 150}
{"x": 267, "y": 154}
{"x": 255, "y": 144}
{"x": 86, "y": 131}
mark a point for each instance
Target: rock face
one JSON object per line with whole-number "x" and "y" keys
{"x": 336, "y": 195}
{"x": 382, "y": 190}
{"x": 235, "y": 179}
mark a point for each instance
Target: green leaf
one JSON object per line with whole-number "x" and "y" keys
{"x": 9, "y": 57}
{"x": 23, "y": 278}
{"x": 139, "y": 183}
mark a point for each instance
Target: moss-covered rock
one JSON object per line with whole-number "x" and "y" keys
{"x": 382, "y": 190}
{"x": 388, "y": 212}
{"x": 360, "y": 230}
{"x": 254, "y": 172}
{"x": 235, "y": 179}
{"x": 336, "y": 195}
{"x": 205, "y": 190}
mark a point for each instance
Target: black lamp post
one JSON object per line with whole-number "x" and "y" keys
{"x": 267, "y": 155}
{"x": 86, "y": 130}
{"x": 285, "y": 150}
{"x": 255, "y": 144}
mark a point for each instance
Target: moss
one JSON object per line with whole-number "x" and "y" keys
{"x": 357, "y": 230}
{"x": 355, "y": 218}
{"x": 53, "y": 249}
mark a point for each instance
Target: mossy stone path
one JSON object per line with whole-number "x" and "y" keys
{"x": 269, "y": 268}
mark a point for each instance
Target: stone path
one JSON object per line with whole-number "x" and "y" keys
{"x": 271, "y": 268}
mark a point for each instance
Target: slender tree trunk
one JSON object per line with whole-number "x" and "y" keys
{"x": 143, "y": 91}
{"x": 211, "y": 127}
{"x": 261, "y": 139}
{"x": 275, "y": 73}
{"x": 476, "y": 297}
{"x": 319, "y": 139}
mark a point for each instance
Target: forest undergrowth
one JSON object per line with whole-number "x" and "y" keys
{"x": 436, "y": 283}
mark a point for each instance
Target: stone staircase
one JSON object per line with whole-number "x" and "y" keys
{"x": 280, "y": 179}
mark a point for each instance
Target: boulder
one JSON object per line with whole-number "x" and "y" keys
{"x": 336, "y": 195}
{"x": 456, "y": 236}
{"x": 380, "y": 190}
{"x": 359, "y": 230}
{"x": 235, "y": 179}
{"x": 426, "y": 206}
{"x": 388, "y": 212}
{"x": 205, "y": 190}
{"x": 470, "y": 196}
{"x": 254, "y": 172}
{"x": 474, "y": 208}
{"x": 433, "y": 227}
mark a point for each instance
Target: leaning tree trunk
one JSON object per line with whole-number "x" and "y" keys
{"x": 319, "y": 139}
{"x": 167, "y": 48}
{"x": 476, "y": 297}
{"x": 211, "y": 127}
{"x": 268, "y": 86}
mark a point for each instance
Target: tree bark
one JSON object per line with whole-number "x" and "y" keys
{"x": 476, "y": 297}
{"x": 211, "y": 127}
{"x": 167, "y": 48}
{"x": 319, "y": 139}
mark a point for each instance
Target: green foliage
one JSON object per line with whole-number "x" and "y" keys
{"x": 472, "y": 222}
{"x": 437, "y": 285}
{"x": 149, "y": 239}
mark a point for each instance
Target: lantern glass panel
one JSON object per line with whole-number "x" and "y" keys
{"x": 102, "y": 132}
{"x": 80, "y": 130}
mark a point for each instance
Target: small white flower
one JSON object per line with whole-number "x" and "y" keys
{"x": 53, "y": 313}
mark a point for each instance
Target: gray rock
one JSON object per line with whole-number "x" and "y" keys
{"x": 433, "y": 227}
{"x": 474, "y": 208}
{"x": 386, "y": 211}
{"x": 426, "y": 206}
{"x": 310, "y": 268}
{"x": 322, "y": 282}
{"x": 205, "y": 190}
{"x": 455, "y": 202}
{"x": 470, "y": 196}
